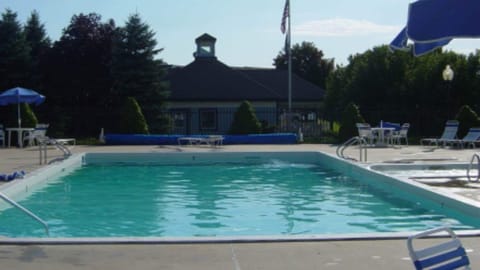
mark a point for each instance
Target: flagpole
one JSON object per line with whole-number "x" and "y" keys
{"x": 289, "y": 60}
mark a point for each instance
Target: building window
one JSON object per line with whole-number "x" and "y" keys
{"x": 208, "y": 119}
{"x": 179, "y": 119}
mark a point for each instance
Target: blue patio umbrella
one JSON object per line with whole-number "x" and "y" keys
{"x": 419, "y": 48}
{"x": 20, "y": 95}
{"x": 434, "y": 23}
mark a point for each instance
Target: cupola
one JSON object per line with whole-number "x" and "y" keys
{"x": 205, "y": 46}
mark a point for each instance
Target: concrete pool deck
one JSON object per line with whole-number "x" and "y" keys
{"x": 327, "y": 254}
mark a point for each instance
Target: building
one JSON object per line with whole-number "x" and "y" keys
{"x": 205, "y": 94}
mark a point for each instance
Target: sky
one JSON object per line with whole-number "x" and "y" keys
{"x": 247, "y": 31}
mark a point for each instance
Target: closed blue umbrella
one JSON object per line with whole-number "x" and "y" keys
{"x": 434, "y": 23}
{"x": 20, "y": 95}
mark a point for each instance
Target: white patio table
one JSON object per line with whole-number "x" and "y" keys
{"x": 382, "y": 138}
{"x": 20, "y": 132}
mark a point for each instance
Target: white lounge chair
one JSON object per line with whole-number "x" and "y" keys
{"x": 449, "y": 133}
{"x": 443, "y": 254}
{"x": 39, "y": 131}
{"x": 210, "y": 140}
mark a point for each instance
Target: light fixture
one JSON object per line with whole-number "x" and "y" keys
{"x": 447, "y": 73}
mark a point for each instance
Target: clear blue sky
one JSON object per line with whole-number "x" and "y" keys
{"x": 247, "y": 31}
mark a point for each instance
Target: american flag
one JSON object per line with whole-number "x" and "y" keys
{"x": 283, "y": 26}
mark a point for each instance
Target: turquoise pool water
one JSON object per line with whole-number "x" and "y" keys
{"x": 231, "y": 198}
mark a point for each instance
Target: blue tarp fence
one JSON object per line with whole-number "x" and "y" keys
{"x": 142, "y": 139}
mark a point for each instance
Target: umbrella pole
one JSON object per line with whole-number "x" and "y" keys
{"x": 19, "y": 115}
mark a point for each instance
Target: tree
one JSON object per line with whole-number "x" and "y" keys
{"x": 79, "y": 77}
{"x": 467, "y": 119}
{"x": 136, "y": 72}
{"x": 14, "y": 52}
{"x": 39, "y": 44}
{"x": 29, "y": 119}
{"x": 245, "y": 121}
{"x": 307, "y": 62}
{"x": 132, "y": 120}
{"x": 350, "y": 117}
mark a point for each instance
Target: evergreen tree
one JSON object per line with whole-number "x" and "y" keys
{"x": 136, "y": 72}
{"x": 132, "y": 121}
{"x": 245, "y": 121}
{"x": 29, "y": 119}
{"x": 350, "y": 117}
{"x": 467, "y": 119}
{"x": 39, "y": 44}
{"x": 14, "y": 52}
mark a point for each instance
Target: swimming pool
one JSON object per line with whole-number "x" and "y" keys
{"x": 222, "y": 194}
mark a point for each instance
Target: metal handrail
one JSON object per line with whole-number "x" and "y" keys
{"x": 42, "y": 148}
{"x": 25, "y": 210}
{"x": 475, "y": 156}
{"x": 354, "y": 140}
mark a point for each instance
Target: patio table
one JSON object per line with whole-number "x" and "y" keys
{"x": 382, "y": 139}
{"x": 20, "y": 132}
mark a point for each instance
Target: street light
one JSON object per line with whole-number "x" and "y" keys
{"x": 447, "y": 75}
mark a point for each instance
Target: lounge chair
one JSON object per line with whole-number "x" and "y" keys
{"x": 441, "y": 255}
{"x": 471, "y": 139}
{"x": 2, "y": 135}
{"x": 365, "y": 132}
{"x": 39, "y": 131}
{"x": 449, "y": 133}
{"x": 401, "y": 134}
{"x": 210, "y": 140}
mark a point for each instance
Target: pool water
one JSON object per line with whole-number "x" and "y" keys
{"x": 218, "y": 199}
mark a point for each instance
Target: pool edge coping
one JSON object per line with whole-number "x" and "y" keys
{"x": 231, "y": 239}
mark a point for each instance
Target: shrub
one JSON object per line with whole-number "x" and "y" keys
{"x": 132, "y": 119}
{"x": 467, "y": 119}
{"x": 245, "y": 121}
{"x": 28, "y": 116}
{"x": 350, "y": 116}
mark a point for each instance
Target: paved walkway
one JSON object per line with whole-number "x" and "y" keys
{"x": 355, "y": 254}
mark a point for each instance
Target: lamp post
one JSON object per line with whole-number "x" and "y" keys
{"x": 447, "y": 75}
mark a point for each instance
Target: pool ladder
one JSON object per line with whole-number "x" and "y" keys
{"x": 362, "y": 145}
{"x": 42, "y": 147}
{"x": 26, "y": 211}
{"x": 475, "y": 158}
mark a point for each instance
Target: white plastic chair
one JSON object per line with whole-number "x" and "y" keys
{"x": 365, "y": 131}
{"x": 448, "y": 254}
{"x": 40, "y": 131}
{"x": 2, "y": 135}
{"x": 401, "y": 134}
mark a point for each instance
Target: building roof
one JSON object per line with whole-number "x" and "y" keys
{"x": 205, "y": 37}
{"x": 207, "y": 79}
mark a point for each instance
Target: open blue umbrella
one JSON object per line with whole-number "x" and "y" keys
{"x": 434, "y": 23}
{"x": 20, "y": 95}
{"x": 419, "y": 48}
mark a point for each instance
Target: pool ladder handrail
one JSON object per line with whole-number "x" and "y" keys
{"x": 26, "y": 211}
{"x": 475, "y": 156}
{"x": 42, "y": 147}
{"x": 362, "y": 145}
